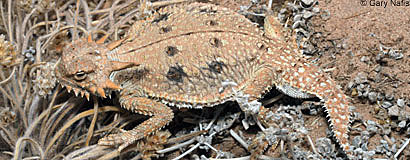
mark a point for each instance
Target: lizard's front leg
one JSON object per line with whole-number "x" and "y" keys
{"x": 161, "y": 116}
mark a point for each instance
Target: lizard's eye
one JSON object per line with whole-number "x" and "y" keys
{"x": 80, "y": 75}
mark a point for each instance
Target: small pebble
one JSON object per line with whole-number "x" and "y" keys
{"x": 400, "y": 102}
{"x": 402, "y": 124}
{"x": 366, "y": 92}
{"x": 364, "y": 59}
{"x": 378, "y": 68}
{"x": 326, "y": 15}
{"x": 394, "y": 111}
{"x": 361, "y": 78}
{"x": 316, "y": 10}
{"x": 307, "y": 14}
{"x": 302, "y": 31}
{"x": 350, "y": 85}
{"x": 293, "y": 6}
{"x": 395, "y": 54}
{"x": 371, "y": 127}
{"x": 379, "y": 58}
{"x": 389, "y": 96}
{"x": 297, "y": 17}
{"x": 255, "y": 1}
{"x": 307, "y": 3}
{"x": 372, "y": 97}
{"x": 357, "y": 141}
{"x": 380, "y": 96}
{"x": 386, "y": 129}
{"x": 298, "y": 24}
{"x": 386, "y": 104}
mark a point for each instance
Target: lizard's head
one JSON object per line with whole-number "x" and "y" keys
{"x": 85, "y": 68}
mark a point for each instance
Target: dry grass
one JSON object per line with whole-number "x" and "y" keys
{"x": 37, "y": 120}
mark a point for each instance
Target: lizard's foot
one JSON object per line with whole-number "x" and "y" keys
{"x": 161, "y": 116}
{"x": 124, "y": 139}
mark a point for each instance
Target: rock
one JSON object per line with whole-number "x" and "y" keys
{"x": 297, "y": 17}
{"x": 350, "y": 85}
{"x": 307, "y": 15}
{"x": 316, "y": 10}
{"x": 372, "y": 97}
{"x": 371, "y": 127}
{"x": 389, "y": 96}
{"x": 380, "y": 96}
{"x": 364, "y": 59}
{"x": 387, "y": 104}
{"x": 395, "y": 54}
{"x": 402, "y": 124}
{"x": 394, "y": 111}
{"x": 360, "y": 78}
{"x": 400, "y": 102}
{"x": 307, "y": 3}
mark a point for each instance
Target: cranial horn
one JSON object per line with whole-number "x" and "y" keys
{"x": 90, "y": 38}
{"x": 111, "y": 85}
{"x": 114, "y": 44}
{"x": 115, "y": 65}
{"x": 101, "y": 92}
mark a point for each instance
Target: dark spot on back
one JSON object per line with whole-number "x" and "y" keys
{"x": 166, "y": 29}
{"x": 208, "y": 10}
{"x": 216, "y": 66}
{"x": 211, "y": 23}
{"x": 176, "y": 73}
{"x": 134, "y": 73}
{"x": 261, "y": 46}
{"x": 162, "y": 17}
{"x": 171, "y": 50}
{"x": 215, "y": 42}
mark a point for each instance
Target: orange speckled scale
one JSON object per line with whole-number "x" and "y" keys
{"x": 182, "y": 57}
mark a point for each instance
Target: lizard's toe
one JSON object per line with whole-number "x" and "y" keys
{"x": 111, "y": 140}
{"x": 123, "y": 139}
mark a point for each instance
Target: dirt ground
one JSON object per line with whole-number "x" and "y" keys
{"x": 363, "y": 45}
{"x": 362, "y": 30}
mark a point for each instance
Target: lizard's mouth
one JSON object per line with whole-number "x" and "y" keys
{"x": 84, "y": 91}
{"x": 78, "y": 91}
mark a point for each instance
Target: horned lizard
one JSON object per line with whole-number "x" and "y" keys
{"x": 182, "y": 57}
